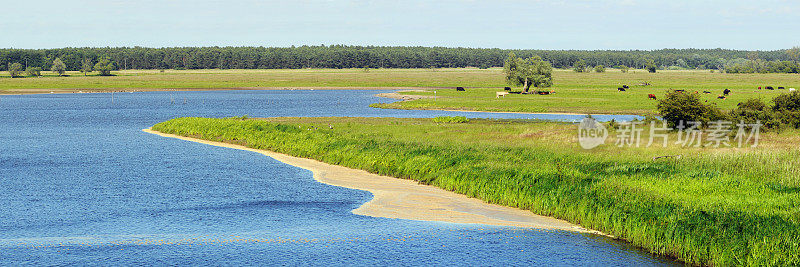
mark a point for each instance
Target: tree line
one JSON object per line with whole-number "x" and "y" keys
{"x": 342, "y": 56}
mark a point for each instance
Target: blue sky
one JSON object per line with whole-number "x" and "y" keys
{"x": 621, "y": 24}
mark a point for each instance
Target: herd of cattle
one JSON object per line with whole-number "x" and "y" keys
{"x": 624, "y": 88}
{"x": 724, "y": 94}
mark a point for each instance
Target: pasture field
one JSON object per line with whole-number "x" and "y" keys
{"x": 718, "y": 206}
{"x": 584, "y": 93}
{"x": 596, "y": 93}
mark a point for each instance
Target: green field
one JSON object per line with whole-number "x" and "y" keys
{"x": 596, "y": 93}
{"x": 593, "y": 93}
{"x": 719, "y": 206}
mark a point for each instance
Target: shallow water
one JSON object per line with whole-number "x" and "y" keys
{"x": 82, "y": 184}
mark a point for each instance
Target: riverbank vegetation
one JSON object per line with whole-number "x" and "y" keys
{"x": 704, "y": 205}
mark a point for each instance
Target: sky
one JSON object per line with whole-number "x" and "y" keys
{"x": 585, "y": 25}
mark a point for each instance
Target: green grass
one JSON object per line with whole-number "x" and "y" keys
{"x": 717, "y": 206}
{"x": 596, "y": 93}
{"x": 583, "y": 93}
{"x": 153, "y": 79}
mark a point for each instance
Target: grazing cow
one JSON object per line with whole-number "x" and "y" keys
{"x": 770, "y": 88}
{"x": 625, "y": 86}
{"x": 792, "y": 89}
{"x": 726, "y": 92}
{"x": 651, "y": 96}
{"x": 706, "y": 92}
{"x": 461, "y": 89}
{"x": 507, "y": 88}
{"x": 621, "y": 89}
{"x": 781, "y": 87}
{"x": 721, "y": 96}
{"x": 499, "y": 94}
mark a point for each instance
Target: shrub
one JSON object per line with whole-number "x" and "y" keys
{"x": 580, "y": 66}
{"x": 33, "y": 71}
{"x": 754, "y": 110}
{"x": 599, "y": 68}
{"x": 449, "y": 119}
{"x": 623, "y": 68}
{"x": 180, "y": 68}
{"x": 680, "y": 106}
{"x": 787, "y": 102}
{"x": 787, "y": 107}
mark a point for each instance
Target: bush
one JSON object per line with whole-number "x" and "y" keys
{"x": 623, "y": 68}
{"x": 754, "y": 110}
{"x": 449, "y": 119}
{"x": 33, "y": 71}
{"x": 787, "y": 102}
{"x": 680, "y": 106}
{"x": 580, "y": 66}
{"x": 787, "y": 107}
{"x": 599, "y": 68}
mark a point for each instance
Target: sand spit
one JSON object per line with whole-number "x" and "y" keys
{"x": 406, "y": 199}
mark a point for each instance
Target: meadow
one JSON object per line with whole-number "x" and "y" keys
{"x": 717, "y": 206}
{"x": 584, "y": 93}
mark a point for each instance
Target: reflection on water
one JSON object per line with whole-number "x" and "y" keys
{"x": 82, "y": 184}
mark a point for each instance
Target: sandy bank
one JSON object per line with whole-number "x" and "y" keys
{"x": 406, "y": 199}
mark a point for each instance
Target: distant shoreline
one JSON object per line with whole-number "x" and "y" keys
{"x": 406, "y": 199}
{"x": 131, "y": 90}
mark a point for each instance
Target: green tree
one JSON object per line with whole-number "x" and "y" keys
{"x": 650, "y": 66}
{"x": 794, "y": 53}
{"x": 58, "y": 67}
{"x": 86, "y": 66}
{"x": 532, "y": 71}
{"x": 623, "y": 68}
{"x": 104, "y": 66}
{"x": 15, "y": 70}
{"x": 580, "y": 66}
{"x": 33, "y": 71}
{"x": 599, "y": 68}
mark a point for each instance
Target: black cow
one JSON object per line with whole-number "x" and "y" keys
{"x": 621, "y": 89}
{"x": 721, "y": 97}
{"x": 679, "y": 91}
{"x": 625, "y": 86}
{"x": 770, "y": 88}
{"x": 706, "y": 92}
{"x": 507, "y": 88}
{"x": 781, "y": 87}
{"x": 460, "y": 89}
{"x": 726, "y": 92}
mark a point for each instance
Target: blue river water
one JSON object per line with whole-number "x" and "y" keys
{"x": 81, "y": 184}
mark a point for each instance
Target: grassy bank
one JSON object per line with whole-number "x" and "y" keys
{"x": 717, "y": 206}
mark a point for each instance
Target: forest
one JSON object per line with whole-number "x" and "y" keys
{"x": 343, "y": 56}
